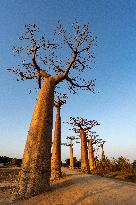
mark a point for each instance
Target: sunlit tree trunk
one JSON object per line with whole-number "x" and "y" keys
{"x": 91, "y": 155}
{"x": 56, "y": 152}
{"x": 36, "y": 166}
{"x": 71, "y": 157}
{"x": 103, "y": 155}
{"x": 84, "y": 152}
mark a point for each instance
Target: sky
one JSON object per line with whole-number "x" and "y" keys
{"x": 114, "y": 107}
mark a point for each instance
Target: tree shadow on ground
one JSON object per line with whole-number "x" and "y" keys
{"x": 68, "y": 182}
{"x": 56, "y": 186}
{"x": 116, "y": 186}
{"x": 82, "y": 180}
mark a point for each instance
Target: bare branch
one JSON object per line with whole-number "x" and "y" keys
{"x": 63, "y": 75}
{"x": 35, "y": 65}
{"x": 82, "y": 124}
{"x": 21, "y": 75}
{"x": 70, "y": 141}
{"x": 66, "y": 41}
{"x": 39, "y": 51}
{"x": 89, "y": 86}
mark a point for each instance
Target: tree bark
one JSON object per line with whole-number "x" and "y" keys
{"x": 71, "y": 157}
{"x": 91, "y": 155}
{"x": 103, "y": 155}
{"x": 36, "y": 166}
{"x": 56, "y": 152}
{"x": 84, "y": 152}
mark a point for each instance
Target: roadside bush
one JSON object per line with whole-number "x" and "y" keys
{"x": 104, "y": 166}
{"x": 8, "y": 161}
{"x": 14, "y": 162}
{"x": 122, "y": 164}
{"x": 120, "y": 168}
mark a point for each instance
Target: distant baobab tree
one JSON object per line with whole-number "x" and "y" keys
{"x": 102, "y": 148}
{"x": 83, "y": 126}
{"x": 70, "y": 142}
{"x": 92, "y": 140}
{"x": 56, "y": 151}
{"x": 41, "y": 59}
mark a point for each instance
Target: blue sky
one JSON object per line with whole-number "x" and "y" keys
{"x": 113, "y": 22}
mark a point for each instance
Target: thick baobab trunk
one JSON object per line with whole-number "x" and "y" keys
{"x": 91, "y": 155}
{"x": 56, "y": 152}
{"x": 84, "y": 152}
{"x": 36, "y": 166}
{"x": 71, "y": 157}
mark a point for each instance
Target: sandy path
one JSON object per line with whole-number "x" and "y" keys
{"x": 81, "y": 189}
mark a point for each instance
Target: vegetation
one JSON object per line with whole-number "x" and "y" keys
{"x": 70, "y": 143}
{"x": 39, "y": 165}
{"x": 77, "y": 163}
{"x": 102, "y": 147}
{"x": 8, "y": 161}
{"x": 36, "y": 52}
{"x": 56, "y": 151}
{"x": 93, "y": 140}
{"x": 120, "y": 168}
{"x": 83, "y": 127}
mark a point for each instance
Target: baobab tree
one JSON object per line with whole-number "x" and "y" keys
{"x": 102, "y": 149}
{"x": 83, "y": 126}
{"x": 56, "y": 151}
{"x": 49, "y": 63}
{"x": 70, "y": 143}
{"x": 92, "y": 140}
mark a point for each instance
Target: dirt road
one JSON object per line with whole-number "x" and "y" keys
{"x": 82, "y": 189}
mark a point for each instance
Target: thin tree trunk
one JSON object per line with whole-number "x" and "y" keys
{"x": 84, "y": 152}
{"x": 91, "y": 155}
{"x": 36, "y": 166}
{"x": 71, "y": 157}
{"x": 103, "y": 155}
{"x": 56, "y": 152}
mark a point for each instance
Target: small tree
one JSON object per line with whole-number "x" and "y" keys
{"x": 83, "y": 126}
{"x": 67, "y": 161}
{"x": 92, "y": 140}
{"x": 56, "y": 151}
{"x": 70, "y": 143}
{"x": 102, "y": 148}
{"x": 35, "y": 53}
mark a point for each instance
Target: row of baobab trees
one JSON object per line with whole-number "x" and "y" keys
{"x": 83, "y": 128}
{"x": 64, "y": 58}
{"x": 92, "y": 155}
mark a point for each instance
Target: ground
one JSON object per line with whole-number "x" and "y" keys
{"x": 74, "y": 189}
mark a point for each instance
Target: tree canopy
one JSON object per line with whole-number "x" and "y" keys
{"x": 65, "y": 55}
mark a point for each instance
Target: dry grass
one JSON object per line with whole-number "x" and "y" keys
{"x": 119, "y": 168}
{"x": 8, "y": 177}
